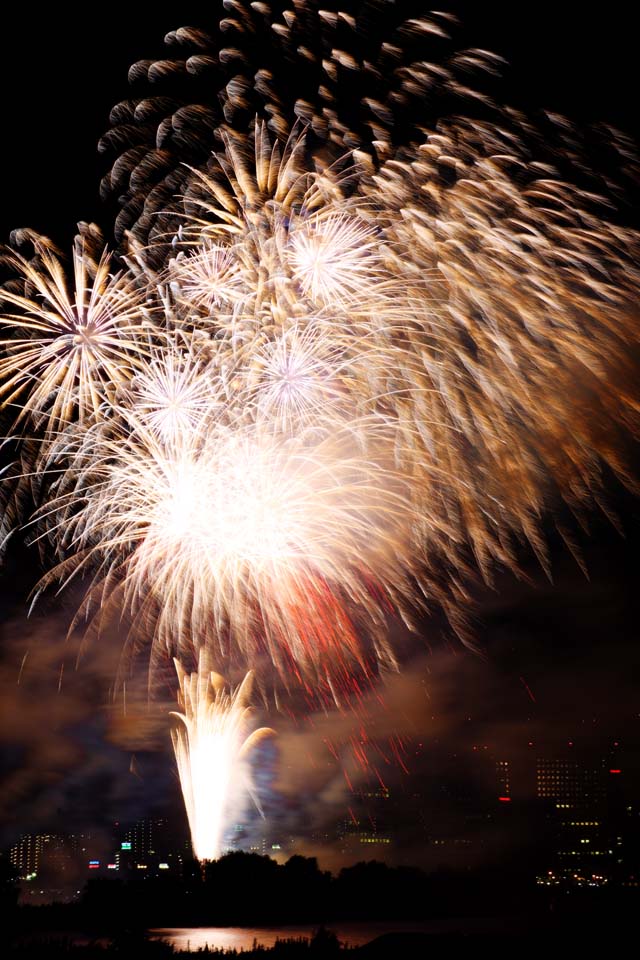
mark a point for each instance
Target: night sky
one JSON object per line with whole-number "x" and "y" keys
{"x": 556, "y": 661}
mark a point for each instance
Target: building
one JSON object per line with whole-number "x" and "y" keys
{"x": 584, "y": 810}
{"x": 151, "y": 846}
{"x": 26, "y": 855}
{"x": 53, "y": 866}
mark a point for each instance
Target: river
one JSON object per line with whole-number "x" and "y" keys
{"x": 354, "y": 934}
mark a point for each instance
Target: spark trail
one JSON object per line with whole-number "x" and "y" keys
{"x": 212, "y": 742}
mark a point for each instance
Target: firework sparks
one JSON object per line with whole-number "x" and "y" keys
{"x": 212, "y": 742}
{"x": 172, "y": 393}
{"x": 68, "y": 347}
{"x": 341, "y": 441}
{"x": 227, "y": 533}
{"x": 335, "y": 259}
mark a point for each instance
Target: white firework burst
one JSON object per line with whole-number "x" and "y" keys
{"x": 69, "y": 347}
{"x": 209, "y": 278}
{"x": 335, "y": 258}
{"x": 175, "y": 390}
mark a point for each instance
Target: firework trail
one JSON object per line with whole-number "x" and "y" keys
{"x": 356, "y": 348}
{"x": 212, "y": 741}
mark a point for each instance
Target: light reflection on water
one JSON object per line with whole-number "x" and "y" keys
{"x": 242, "y": 938}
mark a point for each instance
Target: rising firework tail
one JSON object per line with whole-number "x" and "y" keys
{"x": 345, "y": 356}
{"x": 212, "y": 741}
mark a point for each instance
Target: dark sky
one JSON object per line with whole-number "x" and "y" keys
{"x": 572, "y": 642}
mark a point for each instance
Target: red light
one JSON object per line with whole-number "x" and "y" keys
{"x": 504, "y": 799}
{"x": 615, "y": 771}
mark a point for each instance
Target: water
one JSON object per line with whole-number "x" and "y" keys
{"x": 354, "y": 934}
{"x": 242, "y": 938}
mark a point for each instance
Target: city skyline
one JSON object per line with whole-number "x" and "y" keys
{"x": 569, "y": 815}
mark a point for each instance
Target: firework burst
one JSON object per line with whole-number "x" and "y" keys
{"x": 172, "y": 393}
{"x": 226, "y": 533}
{"x": 68, "y": 346}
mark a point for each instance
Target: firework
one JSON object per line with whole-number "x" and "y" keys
{"x": 369, "y": 77}
{"x": 172, "y": 392}
{"x": 356, "y": 397}
{"x": 68, "y": 347}
{"x": 462, "y": 289}
{"x": 224, "y": 536}
{"x": 212, "y": 742}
